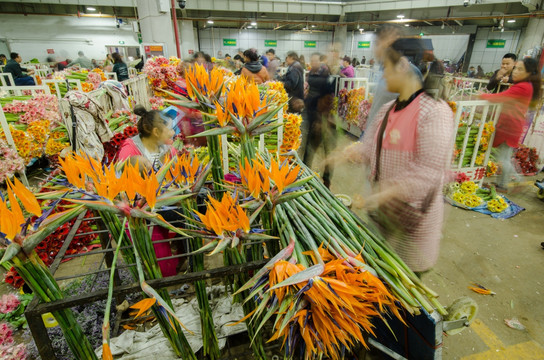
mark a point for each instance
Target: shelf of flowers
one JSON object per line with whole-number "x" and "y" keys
{"x": 350, "y": 110}
{"x": 36, "y": 128}
{"x": 475, "y": 121}
{"x": 328, "y": 273}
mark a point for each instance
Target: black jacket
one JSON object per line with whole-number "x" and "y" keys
{"x": 293, "y": 81}
{"x": 319, "y": 86}
{"x": 494, "y": 82}
{"x": 15, "y": 69}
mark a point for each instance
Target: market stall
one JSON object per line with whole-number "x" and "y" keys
{"x": 245, "y": 197}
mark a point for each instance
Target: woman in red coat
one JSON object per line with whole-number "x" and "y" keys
{"x": 512, "y": 123}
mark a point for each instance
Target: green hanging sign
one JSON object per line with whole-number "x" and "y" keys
{"x": 271, "y": 43}
{"x": 310, "y": 44}
{"x": 497, "y": 43}
{"x": 363, "y": 44}
{"x": 229, "y": 42}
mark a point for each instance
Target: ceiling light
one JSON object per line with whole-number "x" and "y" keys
{"x": 406, "y": 24}
{"x": 400, "y": 16}
{"x": 91, "y": 8}
{"x": 442, "y": 27}
{"x": 512, "y": 21}
{"x": 314, "y": 25}
{"x": 253, "y": 23}
{"x": 210, "y": 21}
{"x": 250, "y": 27}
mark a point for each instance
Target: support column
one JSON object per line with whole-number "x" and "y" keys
{"x": 156, "y": 24}
{"x": 187, "y": 38}
{"x": 340, "y": 37}
{"x": 533, "y": 35}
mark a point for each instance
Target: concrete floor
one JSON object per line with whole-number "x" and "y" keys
{"x": 503, "y": 255}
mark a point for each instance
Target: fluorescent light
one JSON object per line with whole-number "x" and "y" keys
{"x": 406, "y": 24}
{"x": 314, "y": 25}
{"x": 210, "y": 21}
{"x": 253, "y": 23}
{"x": 250, "y": 27}
{"x": 400, "y": 16}
{"x": 91, "y": 8}
{"x": 512, "y": 21}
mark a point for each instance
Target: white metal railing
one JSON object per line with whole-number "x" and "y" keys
{"x": 473, "y": 114}
{"x": 132, "y": 72}
{"x": 352, "y": 83}
{"x": 111, "y": 75}
{"x": 6, "y": 79}
{"x": 56, "y": 83}
{"x": 138, "y": 91}
{"x": 25, "y": 90}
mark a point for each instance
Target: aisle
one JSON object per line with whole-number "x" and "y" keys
{"x": 504, "y": 255}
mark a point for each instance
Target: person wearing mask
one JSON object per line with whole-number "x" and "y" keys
{"x": 119, "y": 67}
{"x": 3, "y": 59}
{"x": 318, "y": 103}
{"x": 273, "y": 64}
{"x": 512, "y": 124}
{"x": 408, "y": 155}
{"x": 347, "y": 70}
{"x": 471, "y": 72}
{"x": 149, "y": 149}
{"x": 363, "y": 60}
{"x": 238, "y": 64}
{"x": 108, "y": 63}
{"x": 82, "y": 61}
{"x": 293, "y": 81}
{"x": 355, "y": 62}
{"x": 503, "y": 75}
{"x": 21, "y": 76}
{"x": 253, "y": 69}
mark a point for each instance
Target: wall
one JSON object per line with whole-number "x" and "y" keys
{"x": 450, "y": 47}
{"x": 31, "y": 36}
{"x": 254, "y": 38}
{"x": 352, "y": 50}
{"x": 489, "y": 58}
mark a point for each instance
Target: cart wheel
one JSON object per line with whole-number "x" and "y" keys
{"x": 540, "y": 194}
{"x": 464, "y": 307}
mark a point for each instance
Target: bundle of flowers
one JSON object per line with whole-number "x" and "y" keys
{"x": 9, "y": 351}
{"x": 10, "y": 162}
{"x": 364, "y": 110}
{"x": 157, "y": 103}
{"x": 48, "y": 249}
{"x": 37, "y": 140}
{"x": 491, "y": 169}
{"x": 291, "y": 132}
{"x": 12, "y": 308}
{"x": 121, "y": 119}
{"x": 24, "y": 109}
{"x": 354, "y": 99}
{"x": 467, "y": 194}
{"x": 99, "y": 72}
{"x": 112, "y": 147}
{"x": 276, "y": 91}
{"x": 526, "y": 160}
{"x": 162, "y": 72}
{"x": 342, "y": 103}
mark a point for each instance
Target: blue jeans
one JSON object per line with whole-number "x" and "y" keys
{"x": 22, "y": 81}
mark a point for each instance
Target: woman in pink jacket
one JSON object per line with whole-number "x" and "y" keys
{"x": 512, "y": 124}
{"x": 149, "y": 148}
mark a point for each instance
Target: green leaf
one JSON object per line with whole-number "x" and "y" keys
{"x": 263, "y": 118}
{"x": 12, "y": 250}
{"x": 217, "y": 131}
{"x": 156, "y": 219}
{"x": 299, "y": 182}
{"x": 304, "y": 275}
{"x": 241, "y": 128}
{"x": 282, "y": 255}
{"x": 265, "y": 128}
{"x": 290, "y": 196}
